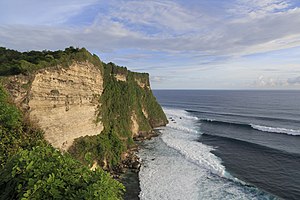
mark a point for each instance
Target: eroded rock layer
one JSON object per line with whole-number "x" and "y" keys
{"x": 63, "y": 101}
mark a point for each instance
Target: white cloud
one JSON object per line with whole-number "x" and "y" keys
{"x": 294, "y": 81}
{"x": 157, "y": 79}
{"x": 190, "y": 39}
{"x": 166, "y": 16}
{"x": 259, "y": 8}
{"x": 36, "y": 12}
{"x": 177, "y": 29}
{"x": 268, "y": 82}
{"x": 276, "y": 82}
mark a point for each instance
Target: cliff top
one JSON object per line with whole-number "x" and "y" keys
{"x": 13, "y": 62}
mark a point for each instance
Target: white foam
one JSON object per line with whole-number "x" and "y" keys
{"x": 176, "y": 166}
{"x": 177, "y": 114}
{"x": 166, "y": 175}
{"x": 184, "y": 140}
{"x": 276, "y": 130}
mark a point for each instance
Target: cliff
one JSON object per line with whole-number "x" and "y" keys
{"x": 83, "y": 105}
{"x": 62, "y": 101}
{"x": 30, "y": 168}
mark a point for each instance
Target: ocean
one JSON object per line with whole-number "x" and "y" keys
{"x": 224, "y": 145}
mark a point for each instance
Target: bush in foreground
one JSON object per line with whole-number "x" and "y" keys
{"x": 45, "y": 173}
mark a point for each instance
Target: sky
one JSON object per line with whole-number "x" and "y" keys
{"x": 182, "y": 44}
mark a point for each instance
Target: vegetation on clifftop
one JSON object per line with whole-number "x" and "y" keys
{"x": 120, "y": 99}
{"x": 30, "y": 168}
{"x": 13, "y": 62}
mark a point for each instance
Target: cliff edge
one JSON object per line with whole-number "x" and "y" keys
{"x": 83, "y": 105}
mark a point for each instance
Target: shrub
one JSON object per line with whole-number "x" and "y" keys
{"x": 15, "y": 133}
{"x": 119, "y": 101}
{"x": 45, "y": 173}
{"x": 14, "y": 62}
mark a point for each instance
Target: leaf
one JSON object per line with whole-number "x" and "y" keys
{"x": 29, "y": 166}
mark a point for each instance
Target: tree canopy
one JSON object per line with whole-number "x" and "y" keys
{"x": 13, "y": 62}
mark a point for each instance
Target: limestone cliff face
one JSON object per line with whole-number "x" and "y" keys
{"x": 84, "y": 106}
{"x": 63, "y": 101}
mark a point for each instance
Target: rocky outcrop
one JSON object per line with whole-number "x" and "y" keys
{"x": 121, "y": 77}
{"x": 63, "y": 101}
{"x": 134, "y": 125}
{"x": 145, "y": 113}
{"x": 93, "y": 110}
{"x": 142, "y": 84}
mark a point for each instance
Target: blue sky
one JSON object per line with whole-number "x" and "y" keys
{"x": 183, "y": 44}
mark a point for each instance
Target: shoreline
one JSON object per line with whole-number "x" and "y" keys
{"x": 130, "y": 179}
{"x": 128, "y": 171}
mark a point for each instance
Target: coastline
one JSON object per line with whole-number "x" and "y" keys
{"x": 128, "y": 171}
{"x": 130, "y": 179}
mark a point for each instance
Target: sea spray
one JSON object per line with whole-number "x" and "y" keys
{"x": 176, "y": 166}
{"x": 276, "y": 130}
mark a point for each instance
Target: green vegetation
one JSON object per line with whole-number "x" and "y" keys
{"x": 15, "y": 133}
{"x": 13, "y": 62}
{"x": 44, "y": 173}
{"x": 32, "y": 169}
{"x": 155, "y": 113}
{"x": 119, "y": 101}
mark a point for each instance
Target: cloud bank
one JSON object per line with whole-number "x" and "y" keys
{"x": 186, "y": 33}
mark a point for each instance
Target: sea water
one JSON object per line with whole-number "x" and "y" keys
{"x": 224, "y": 145}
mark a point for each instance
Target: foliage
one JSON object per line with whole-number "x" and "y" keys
{"x": 156, "y": 115}
{"x": 117, "y": 70}
{"x": 119, "y": 101}
{"x": 13, "y": 62}
{"x": 15, "y": 133}
{"x": 31, "y": 169}
{"x": 44, "y": 173}
{"x": 10, "y": 117}
{"x": 106, "y": 146}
